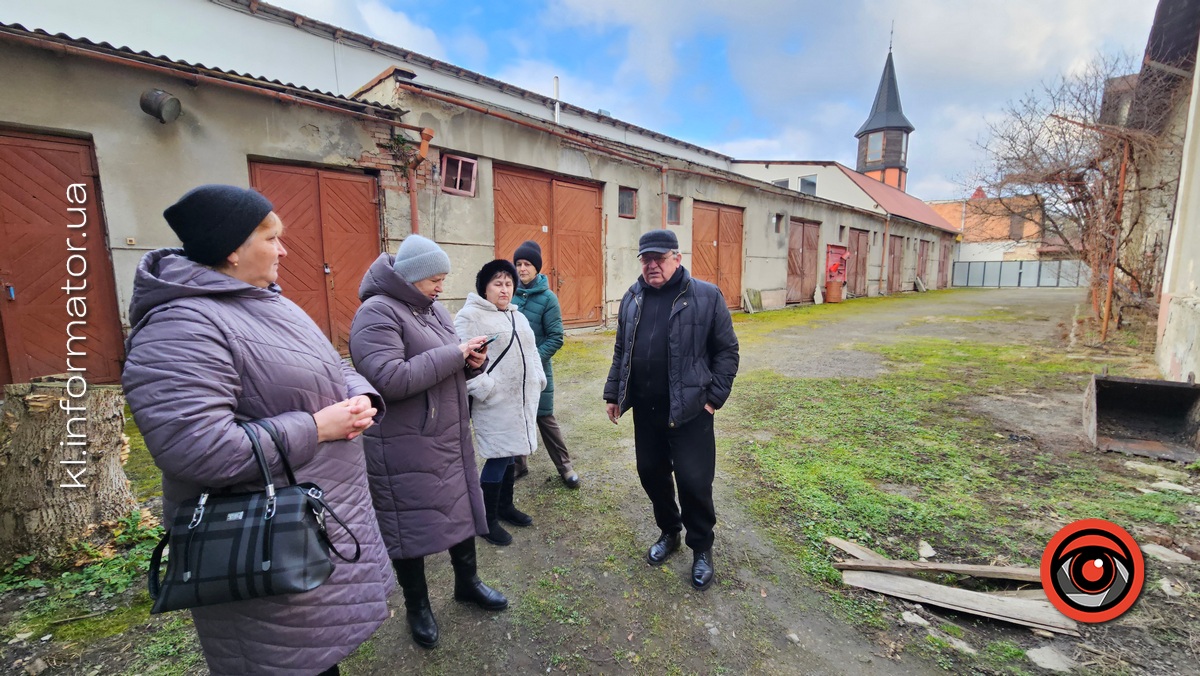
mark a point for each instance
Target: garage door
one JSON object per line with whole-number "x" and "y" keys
{"x": 331, "y": 233}
{"x": 563, "y": 217}
{"x": 717, "y": 248}
{"x": 49, "y": 243}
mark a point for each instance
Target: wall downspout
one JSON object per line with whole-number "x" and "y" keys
{"x": 412, "y": 197}
{"x": 411, "y": 175}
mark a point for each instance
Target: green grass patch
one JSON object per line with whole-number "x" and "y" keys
{"x": 171, "y": 651}
{"x": 68, "y": 610}
{"x": 895, "y": 459}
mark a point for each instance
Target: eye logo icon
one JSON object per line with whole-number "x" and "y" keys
{"x": 1092, "y": 571}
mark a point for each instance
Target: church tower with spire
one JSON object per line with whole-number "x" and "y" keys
{"x": 883, "y": 138}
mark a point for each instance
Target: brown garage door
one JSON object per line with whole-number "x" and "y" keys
{"x": 717, "y": 248}
{"x": 36, "y": 230}
{"x": 856, "y": 268}
{"x": 803, "y": 239}
{"x": 895, "y": 264}
{"x": 563, "y": 217}
{"x": 331, "y": 233}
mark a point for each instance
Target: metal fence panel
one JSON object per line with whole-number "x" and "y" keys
{"x": 974, "y": 274}
{"x": 1049, "y": 275}
{"x": 1026, "y": 274}
{"x": 958, "y": 274}
{"x": 991, "y": 273}
{"x": 1010, "y": 273}
{"x": 1030, "y": 270}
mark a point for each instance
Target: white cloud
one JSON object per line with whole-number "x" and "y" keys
{"x": 538, "y": 76}
{"x": 374, "y": 18}
{"x": 809, "y": 69}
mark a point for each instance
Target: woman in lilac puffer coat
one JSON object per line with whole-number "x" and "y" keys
{"x": 214, "y": 342}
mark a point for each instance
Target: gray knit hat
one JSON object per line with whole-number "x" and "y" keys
{"x": 420, "y": 258}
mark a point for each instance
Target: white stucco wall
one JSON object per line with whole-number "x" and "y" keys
{"x": 1179, "y": 307}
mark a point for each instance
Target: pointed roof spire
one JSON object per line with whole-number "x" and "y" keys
{"x": 886, "y": 113}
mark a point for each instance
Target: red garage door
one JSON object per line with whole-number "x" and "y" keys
{"x": 53, "y": 236}
{"x": 717, "y": 248}
{"x": 331, "y": 233}
{"x": 563, "y": 217}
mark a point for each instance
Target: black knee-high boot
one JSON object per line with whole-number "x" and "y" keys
{"x": 411, "y": 574}
{"x": 467, "y": 585}
{"x": 506, "y": 510}
{"x": 491, "y": 505}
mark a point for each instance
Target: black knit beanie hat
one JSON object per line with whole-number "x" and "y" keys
{"x": 490, "y": 270}
{"x": 529, "y": 251}
{"x": 212, "y": 221}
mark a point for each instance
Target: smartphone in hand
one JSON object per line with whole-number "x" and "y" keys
{"x": 491, "y": 340}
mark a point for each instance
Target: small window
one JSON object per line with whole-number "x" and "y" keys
{"x": 904, "y": 148}
{"x": 808, "y": 185}
{"x": 778, "y": 223}
{"x": 627, "y": 203}
{"x": 841, "y": 233}
{"x": 781, "y": 183}
{"x": 673, "y": 205}
{"x": 458, "y": 175}
{"x": 875, "y": 147}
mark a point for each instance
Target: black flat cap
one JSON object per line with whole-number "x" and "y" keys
{"x": 658, "y": 241}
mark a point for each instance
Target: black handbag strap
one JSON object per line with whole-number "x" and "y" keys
{"x": 511, "y": 339}
{"x": 280, "y": 449}
{"x": 156, "y": 565}
{"x": 317, "y": 496}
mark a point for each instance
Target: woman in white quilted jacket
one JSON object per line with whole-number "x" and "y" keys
{"x": 504, "y": 398}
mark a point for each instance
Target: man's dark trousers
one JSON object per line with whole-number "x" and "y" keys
{"x": 690, "y": 451}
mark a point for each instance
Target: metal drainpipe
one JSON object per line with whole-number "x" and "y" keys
{"x": 412, "y": 198}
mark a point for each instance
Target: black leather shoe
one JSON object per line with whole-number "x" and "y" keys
{"x": 424, "y": 628}
{"x": 475, "y": 591}
{"x": 702, "y": 570}
{"x": 571, "y": 480}
{"x": 666, "y": 545}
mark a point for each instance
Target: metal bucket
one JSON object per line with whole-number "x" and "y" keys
{"x": 1139, "y": 416}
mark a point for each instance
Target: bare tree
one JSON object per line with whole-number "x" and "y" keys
{"x": 1087, "y": 147}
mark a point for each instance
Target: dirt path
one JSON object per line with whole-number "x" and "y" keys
{"x": 583, "y": 598}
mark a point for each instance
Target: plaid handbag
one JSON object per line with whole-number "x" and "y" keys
{"x": 235, "y": 546}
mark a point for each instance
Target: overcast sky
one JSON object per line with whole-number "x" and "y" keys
{"x": 768, "y": 79}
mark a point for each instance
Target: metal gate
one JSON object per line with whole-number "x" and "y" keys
{"x": 1031, "y": 274}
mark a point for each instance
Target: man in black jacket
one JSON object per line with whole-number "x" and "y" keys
{"x": 673, "y": 363}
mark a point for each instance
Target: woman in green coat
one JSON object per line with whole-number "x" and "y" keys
{"x": 540, "y": 306}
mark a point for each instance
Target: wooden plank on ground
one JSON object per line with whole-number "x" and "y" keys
{"x": 1031, "y": 593}
{"x": 856, "y": 550}
{"x": 1027, "y": 612}
{"x": 997, "y": 572}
